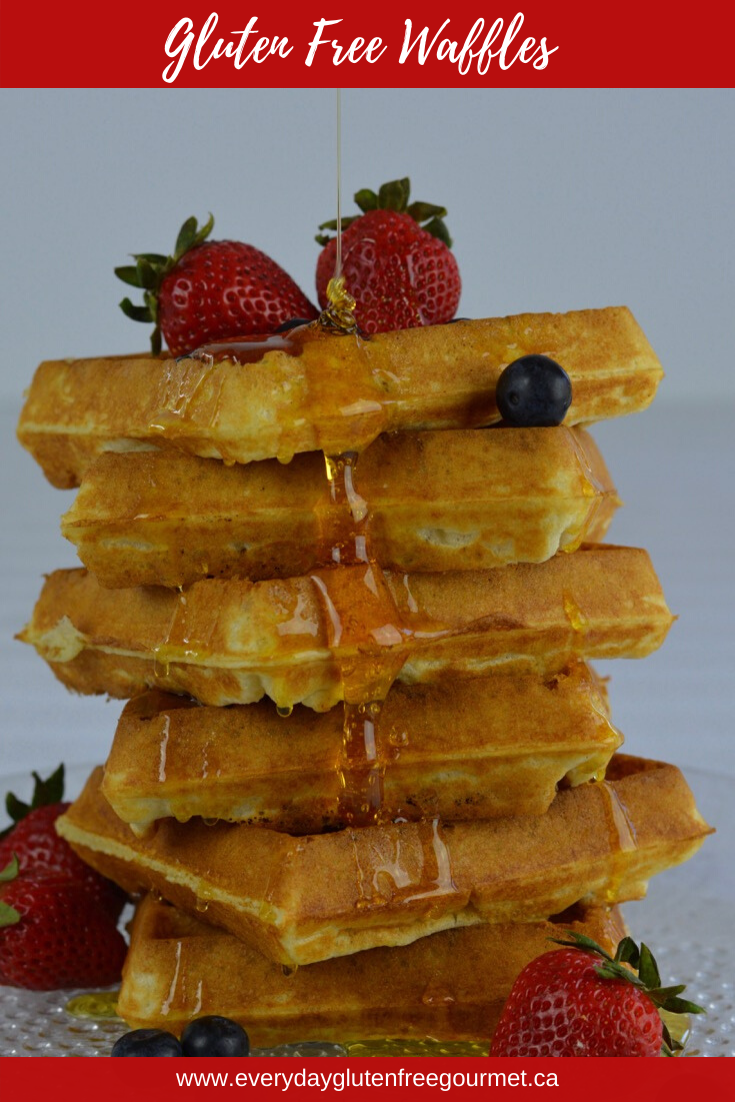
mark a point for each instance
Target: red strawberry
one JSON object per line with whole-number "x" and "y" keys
{"x": 210, "y": 290}
{"x": 400, "y": 274}
{"x": 53, "y": 935}
{"x": 580, "y": 1001}
{"x": 39, "y": 849}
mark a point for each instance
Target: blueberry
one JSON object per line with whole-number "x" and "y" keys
{"x": 147, "y": 1042}
{"x": 533, "y": 390}
{"x": 215, "y": 1036}
{"x": 292, "y": 323}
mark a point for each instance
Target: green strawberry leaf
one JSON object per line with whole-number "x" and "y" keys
{"x": 8, "y": 915}
{"x": 628, "y": 952}
{"x": 10, "y": 871}
{"x": 49, "y": 791}
{"x": 137, "y": 313}
{"x": 186, "y": 237}
{"x": 581, "y": 941}
{"x": 128, "y": 274}
{"x": 611, "y": 970}
{"x": 148, "y": 276}
{"x": 437, "y": 228}
{"x": 158, "y": 260}
{"x": 366, "y": 200}
{"x": 647, "y": 968}
{"x": 190, "y": 235}
{"x": 16, "y": 809}
{"x": 422, "y": 212}
{"x": 332, "y": 223}
{"x": 682, "y": 1006}
{"x": 394, "y": 195}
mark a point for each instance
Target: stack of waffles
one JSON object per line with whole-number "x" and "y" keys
{"x": 365, "y": 771}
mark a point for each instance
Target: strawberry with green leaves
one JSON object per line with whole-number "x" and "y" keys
{"x": 397, "y": 261}
{"x": 53, "y": 934}
{"x": 58, "y": 917}
{"x": 33, "y": 840}
{"x": 210, "y": 291}
{"x": 580, "y": 1001}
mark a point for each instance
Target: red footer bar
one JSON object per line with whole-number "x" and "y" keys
{"x": 376, "y": 1079}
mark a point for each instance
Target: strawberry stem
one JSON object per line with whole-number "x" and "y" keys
{"x": 49, "y": 791}
{"x": 394, "y": 196}
{"x": 150, "y": 270}
{"x": 642, "y": 972}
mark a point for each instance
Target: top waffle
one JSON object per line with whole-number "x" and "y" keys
{"x": 324, "y": 392}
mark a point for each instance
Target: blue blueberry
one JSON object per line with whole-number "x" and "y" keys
{"x": 533, "y": 391}
{"x": 147, "y": 1042}
{"x": 215, "y": 1036}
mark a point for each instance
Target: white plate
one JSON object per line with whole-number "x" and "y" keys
{"x": 687, "y": 920}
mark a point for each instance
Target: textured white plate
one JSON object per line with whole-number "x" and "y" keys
{"x": 687, "y": 920}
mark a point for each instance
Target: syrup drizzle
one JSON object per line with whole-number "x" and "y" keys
{"x": 621, "y": 836}
{"x": 407, "y": 868}
{"x": 362, "y": 615}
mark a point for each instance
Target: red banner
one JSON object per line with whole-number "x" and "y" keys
{"x": 376, "y": 1079}
{"x": 224, "y": 44}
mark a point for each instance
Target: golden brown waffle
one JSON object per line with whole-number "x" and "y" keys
{"x": 463, "y": 500}
{"x": 301, "y": 640}
{"x": 473, "y": 749}
{"x": 451, "y": 986}
{"x": 331, "y": 393}
{"x": 303, "y": 899}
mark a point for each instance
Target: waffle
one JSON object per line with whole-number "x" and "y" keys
{"x": 347, "y": 632}
{"x": 300, "y": 900}
{"x": 474, "y": 749}
{"x": 451, "y": 986}
{"x": 463, "y": 500}
{"x": 325, "y": 392}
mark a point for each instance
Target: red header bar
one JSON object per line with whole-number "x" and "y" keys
{"x": 212, "y": 44}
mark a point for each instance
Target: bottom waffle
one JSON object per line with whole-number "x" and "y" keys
{"x": 451, "y": 986}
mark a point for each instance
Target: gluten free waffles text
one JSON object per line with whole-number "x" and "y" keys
{"x": 470, "y": 48}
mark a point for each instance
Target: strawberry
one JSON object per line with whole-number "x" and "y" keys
{"x": 53, "y": 934}
{"x": 580, "y": 1001}
{"x": 39, "y": 849}
{"x": 401, "y": 274}
{"x": 210, "y": 290}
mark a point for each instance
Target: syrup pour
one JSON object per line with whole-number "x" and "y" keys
{"x": 621, "y": 834}
{"x": 363, "y": 623}
{"x": 361, "y": 613}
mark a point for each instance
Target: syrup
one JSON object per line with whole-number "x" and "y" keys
{"x": 426, "y": 1047}
{"x": 410, "y": 866}
{"x": 621, "y": 834}
{"x": 181, "y": 641}
{"x": 575, "y": 616}
{"x": 251, "y": 349}
{"x": 679, "y": 1027}
{"x": 344, "y": 525}
{"x": 340, "y": 312}
{"x": 363, "y": 622}
{"x": 94, "y": 1005}
{"x": 592, "y": 487}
